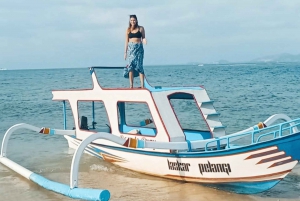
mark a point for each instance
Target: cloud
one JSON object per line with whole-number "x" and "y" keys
{"x": 72, "y": 33}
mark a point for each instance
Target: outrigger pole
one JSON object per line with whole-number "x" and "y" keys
{"x": 71, "y": 191}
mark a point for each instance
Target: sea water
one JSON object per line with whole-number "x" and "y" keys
{"x": 244, "y": 94}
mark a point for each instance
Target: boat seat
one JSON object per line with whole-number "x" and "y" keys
{"x": 84, "y": 123}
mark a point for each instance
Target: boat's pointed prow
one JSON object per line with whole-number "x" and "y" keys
{"x": 96, "y": 85}
{"x": 146, "y": 83}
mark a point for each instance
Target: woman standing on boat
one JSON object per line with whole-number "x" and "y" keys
{"x": 134, "y": 51}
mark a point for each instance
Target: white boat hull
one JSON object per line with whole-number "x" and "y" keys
{"x": 268, "y": 165}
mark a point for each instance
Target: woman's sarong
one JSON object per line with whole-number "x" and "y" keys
{"x": 135, "y": 56}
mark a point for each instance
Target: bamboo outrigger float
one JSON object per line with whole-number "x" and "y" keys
{"x": 249, "y": 161}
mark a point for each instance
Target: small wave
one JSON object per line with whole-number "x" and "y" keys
{"x": 95, "y": 167}
{"x": 52, "y": 170}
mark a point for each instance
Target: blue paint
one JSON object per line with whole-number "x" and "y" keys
{"x": 52, "y": 132}
{"x": 159, "y": 88}
{"x": 93, "y": 114}
{"x": 76, "y": 193}
{"x": 121, "y": 107}
{"x": 189, "y": 145}
{"x": 65, "y": 115}
{"x": 287, "y": 144}
{"x": 97, "y": 150}
{"x": 141, "y": 144}
{"x": 143, "y": 131}
{"x": 193, "y": 135}
{"x": 255, "y": 131}
{"x": 91, "y": 70}
{"x": 92, "y": 150}
{"x": 291, "y": 149}
{"x": 142, "y": 123}
{"x": 218, "y": 144}
{"x": 245, "y": 187}
{"x": 172, "y": 89}
{"x": 280, "y": 131}
{"x": 274, "y": 129}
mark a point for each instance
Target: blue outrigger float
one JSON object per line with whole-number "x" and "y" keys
{"x": 249, "y": 161}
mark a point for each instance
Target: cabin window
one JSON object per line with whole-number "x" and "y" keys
{"x": 187, "y": 112}
{"x": 135, "y": 118}
{"x": 93, "y": 116}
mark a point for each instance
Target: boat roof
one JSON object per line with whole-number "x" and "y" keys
{"x": 147, "y": 84}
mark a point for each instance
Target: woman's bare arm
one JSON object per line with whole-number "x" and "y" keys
{"x": 126, "y": 44}
{"x": 143, "y": 35}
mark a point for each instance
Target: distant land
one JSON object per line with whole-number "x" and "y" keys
{"x": 285, "y": 57}
{"x": 278, "y": 58}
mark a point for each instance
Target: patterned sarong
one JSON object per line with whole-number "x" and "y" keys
{"x": 135, "y": 56}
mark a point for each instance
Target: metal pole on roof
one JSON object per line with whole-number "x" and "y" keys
{"x": 93, "y": 106}
{"x": 65, "y": 115}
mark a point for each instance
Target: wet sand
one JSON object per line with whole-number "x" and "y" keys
{"x": 127, "y": 185}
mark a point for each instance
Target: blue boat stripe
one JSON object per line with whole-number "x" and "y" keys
{"x": 283, "y": 143}
{"x": 245, "y": 187}
{"x": 141, "y": 144}
{"x": 52, "y": 132}
{"x": 189, "y": 145}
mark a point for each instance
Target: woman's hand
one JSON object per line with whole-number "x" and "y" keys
{"x": 125, "y": 55}
{"x": 144, "y": 41}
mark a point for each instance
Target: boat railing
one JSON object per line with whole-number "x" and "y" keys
{"x": 256, "y": 135}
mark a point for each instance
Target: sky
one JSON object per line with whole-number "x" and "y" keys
{"x": 73, "y": 33}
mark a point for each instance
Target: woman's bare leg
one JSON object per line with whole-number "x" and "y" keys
{"x": 142, "y": 80}
{"x": 131, "y": 78}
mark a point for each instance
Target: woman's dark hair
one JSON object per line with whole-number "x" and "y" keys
{"x": 136, "y": 25}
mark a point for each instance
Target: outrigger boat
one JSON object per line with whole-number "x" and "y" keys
{"x": 249, "y": 161}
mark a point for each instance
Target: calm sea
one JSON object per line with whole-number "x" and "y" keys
{"x": 244, "y": 94}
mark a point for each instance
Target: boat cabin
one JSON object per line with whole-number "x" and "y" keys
{"x": 154, "y": 113}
